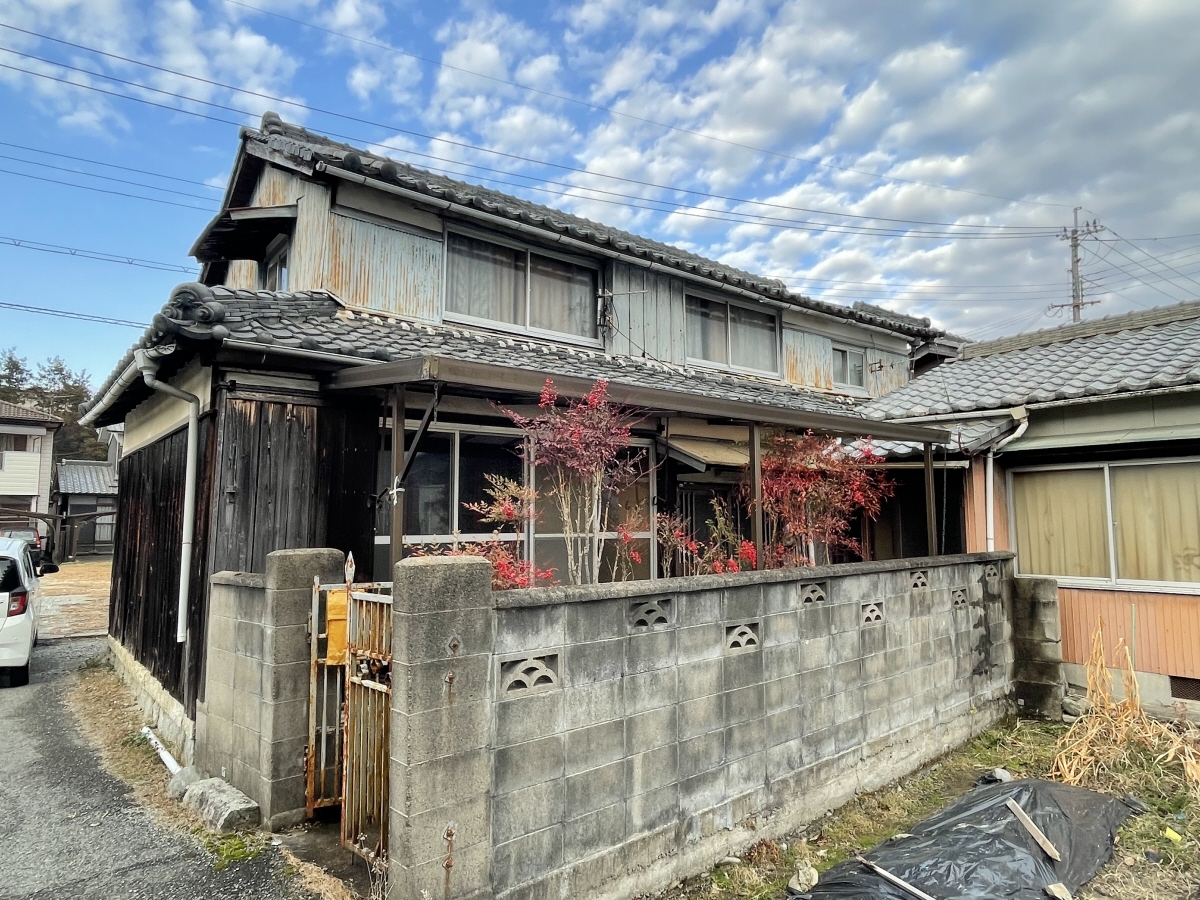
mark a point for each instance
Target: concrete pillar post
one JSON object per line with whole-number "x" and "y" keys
{"x": 440, "y": 834}
{"x": 283, "y": 716}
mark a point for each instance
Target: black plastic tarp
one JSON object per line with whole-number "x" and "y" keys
{"x": 976, "y": 849}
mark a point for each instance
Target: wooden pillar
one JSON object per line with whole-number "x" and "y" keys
{"x": 397, "y": 403}
{"x": 756, "y": 527}
{"x": 930, "y": 501}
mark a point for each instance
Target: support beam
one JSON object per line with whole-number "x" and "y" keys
{"x": 397, "y": 403}
{"x": 756, "y": 528}
{"x": 930, "y": 502}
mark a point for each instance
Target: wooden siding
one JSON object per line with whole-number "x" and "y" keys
{"x": 651, "y": 323}
{"x": 292, "y": 475}
{"x": 1160, "y": 629}
{"x": 885, "y": 371}
{"x": 374, "y": 267}
{"x": 145, "y": 573}
{"x": 277, "y": 187}
{"x": 807, "y": 359}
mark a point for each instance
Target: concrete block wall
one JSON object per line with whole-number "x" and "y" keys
{"x": 252, "y": 726}
{"x": 1037, "y": 642}
{"x": 629, "y": 732}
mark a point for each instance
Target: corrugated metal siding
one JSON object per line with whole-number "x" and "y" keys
{"x": 243, "y": 273}
{"x": 885, "y": 371}
{"x": 650, "y": 322}
{"x": 1163, "y": 630}
{"x": 807, "y": 359}
{"x": 310, "y": 241}
{"x": 375, "y": 267}
{"x": 277, "y": 187}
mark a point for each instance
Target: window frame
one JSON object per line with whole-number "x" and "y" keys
{"x": 848, "y": 349}
{"x": 728, "y": 365}
{"x": 280, "y": 246}
{"x": 528, "y": 537}
{"x": 449, "y": 315}
{"x": 1112, "y": 582}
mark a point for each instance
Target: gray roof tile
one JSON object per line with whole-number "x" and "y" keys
{"x": 83, "y": 476}
{"x": 1157, "y": 348}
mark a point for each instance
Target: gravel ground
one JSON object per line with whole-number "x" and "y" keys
{"x": 70, "y": 830}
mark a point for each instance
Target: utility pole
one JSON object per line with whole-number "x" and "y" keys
{"x": 1074, "y": 235}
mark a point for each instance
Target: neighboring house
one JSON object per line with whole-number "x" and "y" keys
{"x": 1092, "y": 435}
{"x": 340, "y": 287}
{"x": 87, "y": 486}
{"x": 26, "y": 463}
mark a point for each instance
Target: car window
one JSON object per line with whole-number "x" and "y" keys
{"x": 10, "y": 576}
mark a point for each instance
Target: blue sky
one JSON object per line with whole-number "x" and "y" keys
{"x": 917, "y": 155}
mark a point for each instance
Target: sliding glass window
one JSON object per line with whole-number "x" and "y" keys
{"x": 732, "y": 336}
{"x": 513, "y": 287}
{"x": 1127, "y": 522}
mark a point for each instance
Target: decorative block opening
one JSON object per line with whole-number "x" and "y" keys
{"x": 742, "y": 637}
{"x": 529, "y": 675}
{"x": 651, "y": 613}
{"x": 918, "y": 580}
{"x": 958, "y": 598}
{"x": 991, "y": 571}
{"x": 872, "y": 613}
{"x": 817, "y": 592}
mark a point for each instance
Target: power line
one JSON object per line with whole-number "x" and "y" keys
{"x": 1158, "y": 260}
{"x": 140, "y": 184}
{"x": 678, "y": 209}
{"x": 70, "y": 314}
{"x": 97, "y": 162}
{"x": 86, "y": 187}
{"x": 1136, "y": 277}
{"x": 98, "y": 255}
{"x": 395, "y": 128}
{"x": 636, "y": 118}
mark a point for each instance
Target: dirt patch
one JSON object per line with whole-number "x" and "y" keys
{"x": 74, "y": 600}
{"x": 111, "y": 721}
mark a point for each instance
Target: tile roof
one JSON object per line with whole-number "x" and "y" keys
{"x": 316, "y": 321}
{"x": 12, "y": 411}
{"x": 85, "y": 476}
{"x": 1146, "y": 350}
{"x": 966, "y": 436}
{"x": 309, "y": 149}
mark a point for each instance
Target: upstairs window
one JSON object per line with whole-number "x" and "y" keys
{"x": 732, "y": 336}
{"x": 273, "y": 271}
{"x": 510, "y": 286}
{"x": 848, "y": 367}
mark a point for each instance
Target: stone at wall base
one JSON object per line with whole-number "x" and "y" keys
{"x": 222, "y": 806}
{"x": 182, "y": 780}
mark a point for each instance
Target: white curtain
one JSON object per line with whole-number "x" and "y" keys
{"x": 706, "y": 330}
{"x": 1157, "y": 513}
{"x": 485, "y": 280}
{"x": 1060, "y": 519}
{"x": 562, "y": 297}
{"x": 753, "y": 343}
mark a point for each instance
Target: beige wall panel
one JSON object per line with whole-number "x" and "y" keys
{"x": 389, "y": 206}
{"x": 277, "y": 187}
{"x": 807, "y": 359}
{"x": 159, "y": 414}
{"x": 19, "y": 472}
{"x": 373, "y": 267}
{"x": 243, "y": 273}
{"x": 310, "y": 241}
{"x": 885, "y": 371}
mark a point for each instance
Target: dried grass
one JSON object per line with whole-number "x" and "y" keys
{"x": 316, "y": 880}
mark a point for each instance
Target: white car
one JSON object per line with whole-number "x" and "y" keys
{"x": 18, "y": 607}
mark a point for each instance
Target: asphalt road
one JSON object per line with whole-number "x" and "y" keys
{"x": 67, "y": 828}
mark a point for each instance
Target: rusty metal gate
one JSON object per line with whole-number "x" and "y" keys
{"x": 326, "y": 689}
{"x": 368, "y": 709}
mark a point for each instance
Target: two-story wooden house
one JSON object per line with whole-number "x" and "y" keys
{"x": 339, "y": 287}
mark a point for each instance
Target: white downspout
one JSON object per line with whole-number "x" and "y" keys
{"x": 148, "y": 366}
{"x": 1022, "y": 417}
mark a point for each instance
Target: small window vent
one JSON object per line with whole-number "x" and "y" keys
{"x": 650, "y": 613}
{"x": 1185, "y": 688}
{"x": 958, "y": 598}
{"x": 919, "y": 580}
{"x": 741, "y": 637}
{"x": 872, "y": 613}
{"x": 525, "y": 676}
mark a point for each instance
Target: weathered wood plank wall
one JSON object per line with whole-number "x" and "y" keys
{"x": 145, "y": 579}
{"x": 648, "y": 314}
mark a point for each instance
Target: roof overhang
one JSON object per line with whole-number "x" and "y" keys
{"x": 469, "y": 373}
{"x": 243, "y": 233}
